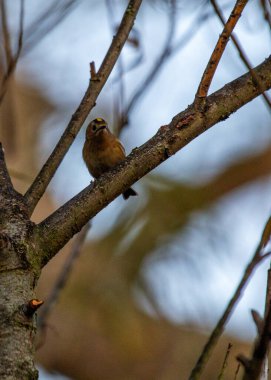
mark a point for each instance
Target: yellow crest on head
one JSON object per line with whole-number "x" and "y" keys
{"x": 99, "y": 122}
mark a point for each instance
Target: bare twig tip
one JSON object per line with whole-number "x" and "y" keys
{"x": 93, "y": 74}
{"x": 257, "y": 320}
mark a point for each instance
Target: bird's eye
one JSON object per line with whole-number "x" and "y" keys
{"x": 94, "y": 128}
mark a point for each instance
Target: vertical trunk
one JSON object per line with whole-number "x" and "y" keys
{"x": 17, "y": 331}
{"x": 17, "y": 280}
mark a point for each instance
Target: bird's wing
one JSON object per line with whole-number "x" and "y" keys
{"x": 121, "y": 147}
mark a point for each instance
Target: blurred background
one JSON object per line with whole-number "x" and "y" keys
{"x": 155, "y": 273}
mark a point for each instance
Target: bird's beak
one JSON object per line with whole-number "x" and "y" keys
{"x": 101, "y": 127}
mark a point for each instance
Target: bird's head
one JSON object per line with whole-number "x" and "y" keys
{"x": 96, "y": 127}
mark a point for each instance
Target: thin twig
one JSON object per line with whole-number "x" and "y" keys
{"x": 46, "y": 22}
{"x": 268, "y": 292}
{"x": 11, "y": 60}
{"x": 265, "y": 367}
{"x": 257, "y": 258}
{"x": 266, "y": 234}
{"x": 237, "y": 371}
{"x": 242, "y": 54}
{"x": 33, "y": 35}
{"x": 44, "y": 177}
{"x": 93, "y": 74}
{"x": 21, "y": 32}
{"x": 223, "y": 39}
{"x": 164, "y": 55}
{"x": 266, "y": 11}
{"x": 257, "y": 319}
{"x": 6, "y": 34}
{"x": 135, "y": 42}
{"x": 118, "y": 101}
{"x": 63, "y": 277}
{"x": 203, "y": 15}
{"x": 219, "y": 328}
{"x": 257, "y": 366}
{"x": 225, "y": 362}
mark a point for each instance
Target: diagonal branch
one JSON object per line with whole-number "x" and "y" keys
{"x": 242, "y": 54}
{"x": 20, "y": 36}
{"x": 63, "y": 277}
{"x": 266, "y": 11}
{"x": 219, "y": 328}
{"x": 59, "y": 227}
{"x": 225, "y": 362}
{"x": 223, "y": 39}
{"x": 256, "y": 259}
{"x": 96, "y": 84}
{"x": 48, "y": 20}
{"x": 118, "y": 101}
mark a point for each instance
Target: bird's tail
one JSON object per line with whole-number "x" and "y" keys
{"x": 129, "y": 193}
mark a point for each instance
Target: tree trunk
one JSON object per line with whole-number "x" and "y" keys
{"x": 17, "y": 281}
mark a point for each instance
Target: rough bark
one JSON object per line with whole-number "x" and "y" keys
{"x": 17, "y": 281}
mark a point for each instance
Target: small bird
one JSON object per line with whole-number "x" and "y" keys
{"x": 102, "y": 151}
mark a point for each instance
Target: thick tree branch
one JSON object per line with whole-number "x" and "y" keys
{"x": 59, "y": 227}
{"x": 42, "y": 180}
